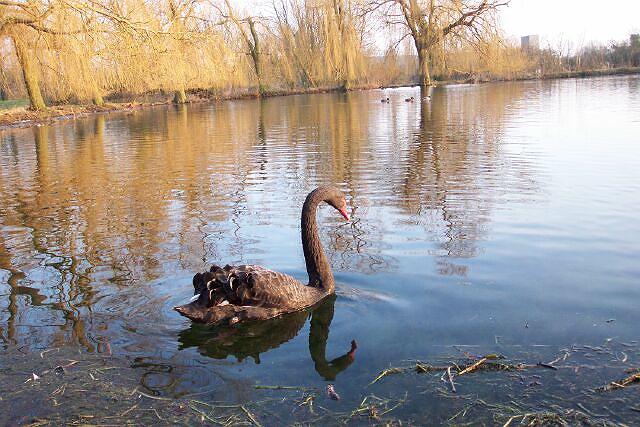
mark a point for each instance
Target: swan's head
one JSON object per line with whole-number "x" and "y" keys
{"x": 329, "y": 194}
{"x": 336, "y": 199}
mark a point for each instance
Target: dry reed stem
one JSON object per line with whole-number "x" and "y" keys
{"x": 472, "y": 367}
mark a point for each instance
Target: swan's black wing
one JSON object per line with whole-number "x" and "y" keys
{"x": 244, "y": 292}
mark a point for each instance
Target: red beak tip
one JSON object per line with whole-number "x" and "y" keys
{"x": 345, "y": 214}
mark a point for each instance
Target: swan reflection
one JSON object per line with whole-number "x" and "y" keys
{"x": 252, "y": 339}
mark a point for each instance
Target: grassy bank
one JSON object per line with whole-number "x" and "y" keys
{"x": 593, "y": 73}
{"x": 16, "y": 113}
{"x": 19, "y": 117}
{"x": 488, "y": 78}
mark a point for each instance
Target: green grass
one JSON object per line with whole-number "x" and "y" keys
{"x": 13, "y": 103}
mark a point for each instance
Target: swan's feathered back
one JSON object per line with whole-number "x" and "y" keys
{"x": 253, "y": 285}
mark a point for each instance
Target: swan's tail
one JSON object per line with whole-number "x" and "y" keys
{"x": 212, "y": 289}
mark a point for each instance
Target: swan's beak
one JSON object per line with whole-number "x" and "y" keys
{"x": 344, "y": 214}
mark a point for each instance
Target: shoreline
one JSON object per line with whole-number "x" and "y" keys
{"x": 23, "y": 117}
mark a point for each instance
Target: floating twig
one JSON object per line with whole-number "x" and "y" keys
{"x": 152, "y": 397}
{"x": 386, "y": 372}
{"x": 205, "y": 416}
{"x": 250, "y": 416}
{"x": 546, "y": 365}
{"x": 129, "y": 410}
{"x": 279, "y": 387}
{"x": 453, "y": 387}
{"x": 472, "y": 367}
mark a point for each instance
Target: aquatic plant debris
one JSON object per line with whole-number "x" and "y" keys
{"x": 331, "y": 392}
{"x": 461, "y": 369}
{"x": 122, "y": 400}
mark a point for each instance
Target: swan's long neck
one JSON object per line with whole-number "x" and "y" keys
{"x": 318, "y": 268}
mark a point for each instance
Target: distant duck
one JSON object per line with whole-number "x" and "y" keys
{"x": 409, "y": 99}
{"x": 427, "y": 98}
{"x": 387, "y": 100}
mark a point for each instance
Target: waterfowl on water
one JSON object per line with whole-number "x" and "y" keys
{"x": 232, "y": 294}
{"x": 387, "y": 100}
{"x": 409, "y": 99}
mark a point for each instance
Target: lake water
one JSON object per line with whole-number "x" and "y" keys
{"x": 496, "y": 218}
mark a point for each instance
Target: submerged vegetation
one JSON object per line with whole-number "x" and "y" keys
{"x": 62, "y": 379}
{"x": 79, "y": 51}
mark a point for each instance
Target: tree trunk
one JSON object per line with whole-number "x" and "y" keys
{"x": 4, "y": 95}
{"x": 97, "y": 96}
{"x": 258, "y": 67}
{"x": 30, "y": 75}
{"x": 423, "y": 68}
{"x": 98, "y": 100}
{"x": 253, "y": 44}
{"x": 255, "y": 55}
{"x": 347, "y": 82}
{"x": 180, "y": 97}
{"x": 90, "y": 79}
{"x": 343, "y": 30}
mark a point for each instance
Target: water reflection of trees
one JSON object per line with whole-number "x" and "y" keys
{"x": 454, "y": 165}
{"x": 96, "y": 210}
{"x": 81, "y": 212}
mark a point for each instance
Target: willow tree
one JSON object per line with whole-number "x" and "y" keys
{"x": 32, "y": 25}
{"x": 429, "y": 22}
{"x": 346, "y": 43}
{"x": 180, "y": 11}
{"x": 298, "y": 43}
{"x": 249, "y": 34}
{"x": 18, "y": 21}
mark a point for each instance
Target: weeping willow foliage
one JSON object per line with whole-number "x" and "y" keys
{"x": 84, "y": 50}
{"x": 319, "y": 44}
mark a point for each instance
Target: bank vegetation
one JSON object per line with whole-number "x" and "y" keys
{"x": 57, "y": 52}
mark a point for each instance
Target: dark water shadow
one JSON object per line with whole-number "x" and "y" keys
{"x": 253, "y": 339}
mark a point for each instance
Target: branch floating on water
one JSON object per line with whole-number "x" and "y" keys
{"x": 613, "y": 385}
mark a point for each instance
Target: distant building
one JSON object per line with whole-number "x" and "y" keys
{"x": 531, "y": 42}
{"x": 634, "y": 39}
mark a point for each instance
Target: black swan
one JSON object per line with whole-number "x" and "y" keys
{"x": 251, "y": 292}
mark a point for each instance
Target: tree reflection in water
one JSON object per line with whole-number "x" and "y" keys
{"x": 97, "y": 212}
{"x": 252, "y": 339}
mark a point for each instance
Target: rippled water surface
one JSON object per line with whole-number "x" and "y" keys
{"x": 495, "y": 218}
